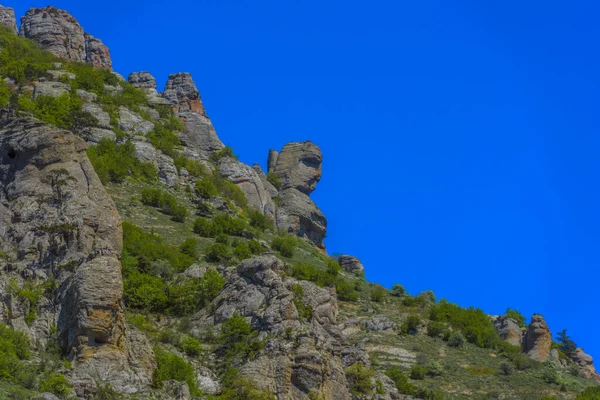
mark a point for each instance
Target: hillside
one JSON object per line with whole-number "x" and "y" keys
{"x": 140, "y": 259}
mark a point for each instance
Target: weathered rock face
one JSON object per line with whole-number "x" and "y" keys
{"x": 58, "y": 32}
{"x": 199, "y": 137}
{"x": 56, "y": 212}
{"x": 181, "y": 91}
{"x": 298, "y": 166}
{"x": 249, "y": 182}
{"x": 298, "y": 215}
{"x": 288, "y": 367}
{"x": 7, "y": 18}
{"x": 351, "y": 264}
{"x": 538, "y": 339}
{"x": 586, "y": 365}
{"x": 509, "y": 330}
{"x": 143, "y": 80}
{"x": 272, "y": 160}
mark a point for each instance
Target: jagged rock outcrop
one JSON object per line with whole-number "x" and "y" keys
{"x": 586, "y": 365}
{"x": 181, "y": 91}
{"x": 7, "y": 18}
{"x": 58, "y": 223}
{"x": 145, "y": 81}
{"x": 272, "y": 160}
{"x": 379, "y": 323}
{"x": 299, "y": 215}
{"x": 509, "y": 330}
{"x": 58, "y": 32}
{"x": 538, "y": 339}
{"x": 298, "y": 166}
{"x": 351, "y": 264}
{"x": 247, "y": 179}
{"x": 288, "y": 367}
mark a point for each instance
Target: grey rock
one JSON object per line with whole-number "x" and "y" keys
{"x": 144, "y": 150}
{"x": 586, "y": 365}
{"x": 182, "y": 93}
{"x": 75, "y": 222}
{"x": 167, "y": 172}
{"x": 96, "y": 110}
{"x": 96, "y": 53}
{"x": 298, "y": 215}
{"x": 57, "y": 74}
{"x": 249, "y": 182}
{"x": 87, "y": 96}
{"x": 52, "y": 89}
{"x": 207, "y": 381}
{"x": 154, "y": 115}
{"x": 45, "y": 396}
{"x": 351, "y": 264}
{"x": 132, "y": 123}
{"x": 195, "y": 271}
{"x": 538, "y": 339}
{"x": 143, "y": 80}
{"x": 379, "y": 323}
{"x": 7, "y": 18}
{"x": 177, "y": 390}
{"x": 95, "y": 135}
{"x": 58, "y": 32}
{"x": 271, "y": 190}
{"x": 509, "y": 330}
{"x": 272, "y": 160}
{"x": 298, "y": 166}
{"x": 113, "y": 90}
{"x": 199, "y": 137}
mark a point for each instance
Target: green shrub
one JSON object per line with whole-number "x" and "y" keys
{"x": 436, "y": 329}
{"x": 360, "y": 379}
{"x": 428, "y": 296}
{"x": 565, "y": 344}
{"x": 171, "y": 366}
{"x": 434, "y": 369}
{"x": 398, "y": 290}
{"x": 517, "y": 316}
{"x": 89, "y": 78}
{"x": 145, "y": 292}
{"x": 305, "y": 311}
{"x": 63, "y": 111}
{"x": 115, "y": 162}
{"x": 274, "y": 180}
{"x": 217, "y": 252}
{"x": 241, "y": 251}
{"x": 480, "y": 370}
{"x": 22, "y": 59}
{"x": 474, "y": 323}
{"x": 56, "y": 384}
{"x": 242, "y": 388}
{"x": 413, "y": 301}
{"x": 522, "y": 362}
{"x": 418, "y": 372}
{"x": 5, "y": 95}
{"x": 14, "y": 348}
{"x": 237, "y": 339}
{"x": 224, "y": 223}
{"x": 506, "y": 368}
{"x": 401, "y": 381}
{"x": 206, "y": 188}
{"x": 193, "y": 294}
{"x": 164, "y": 136}
{"x": 224, "y": 152}
{"x": 550, "y": 374}
{"x": 230, "y": 190}
{"x": 410, "y": 325}
{"x": 255, "y": 247}
{"x": 204, "y": 227}
{"x": 258, "y": 220}
{"x": 456, "y": 339}
{"x": 346, "y": 291}
{"x": 191, "y": 347}
{"x": 222, "y": 238}
{"x": 285, "y": 245}
{"x": 130, "y": 97}
{"x": 165, "y": 201}
{"x": 591, "y": 393}
{"x": 378, "y": 293}
{"x": 189, "y": 247}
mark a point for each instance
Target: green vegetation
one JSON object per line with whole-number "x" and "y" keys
{"x": 224, "y": 152}
{"x": 456, "y": 339}
{"x": 29, "y": 293}
{"x": 410, "y": 325}
{"x": 591, "y": 393}
{"x": 221, "y": 224}
{"x": 378, "y": 293}
{"x": 115, "y": 162}
{"x": 191, "y": 347}
{"x": 398, "y": 290}
{"x": 21, "y": 59}
{"x": 324, "y": 278}
{"x": 14, "y": 350}
{"x": 194, "y": 167}
{"x": 63, "y": 111}
{"x": 305, "y": 311}
{"x": 284, "y": 244}
{"x": 360, "y": 379}
{"x": 436, "y": 329}
{"x": 274, "y": 180}
{"x": 164, "y": 136}
{"x": 171, "y": 366}
{"x": 516, "y": 315}
{"x": 206, "y": 188}
{"x": 165, "y": 201}
{"x": 56, "y": 384}
{"x": 244, "y": 389}
{"x": 473, "y": 322}
{"x": 565, "y": 344}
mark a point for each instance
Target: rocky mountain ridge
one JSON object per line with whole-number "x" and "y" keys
{"x": 64, "y": 261}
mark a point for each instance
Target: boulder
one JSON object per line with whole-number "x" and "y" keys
{"x": 351, "y": 264}
{"x": 96, "y": 110}
{"x": 509, "y": 330}
{"x": 7, "y": 18}
{"x": 95, "y": 135}
{"x": 538, "y": 339}
{"x": 299, "y": 215}
{"x": 199, "y": 137}
{"x": 379, "y": 323}
{"x": 298, "y": 166}
{"x": 144, "y": 151}
{"x": 181, "y": 91}
{"x": 58, "y": 74}
{"x": 132, "y": 123}
{"x": 58, "y": 32}
{"x": 52, "y": 89}
{"x": 586, "y": 365}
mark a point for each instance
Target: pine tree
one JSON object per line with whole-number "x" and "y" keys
{"x": 567, "y": 345}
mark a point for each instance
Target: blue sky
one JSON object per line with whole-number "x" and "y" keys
{"x": 460, "y": 138}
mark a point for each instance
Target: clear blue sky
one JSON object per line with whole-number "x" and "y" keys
{"x": 460, "y": 138}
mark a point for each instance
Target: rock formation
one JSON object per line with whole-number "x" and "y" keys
{"x": 351, "y": 264}
{"x": 586, "y": 365}
{"x": 181, "y": 91}
{"x": 298, "y": 168}
{"x": 509, "y": 330}
{"x": 7, "y": 18}
{"x": 58, "y": 32}
{"x": 538, "y": 339}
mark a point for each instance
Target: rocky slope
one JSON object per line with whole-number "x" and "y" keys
{"x": 120, "y": 293}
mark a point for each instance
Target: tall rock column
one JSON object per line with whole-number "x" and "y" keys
{"x": 7, "y": 18}
{"x": 58, "y": 32}
{"x": 537, "y": 342}
{"x": 298, "y": 168}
